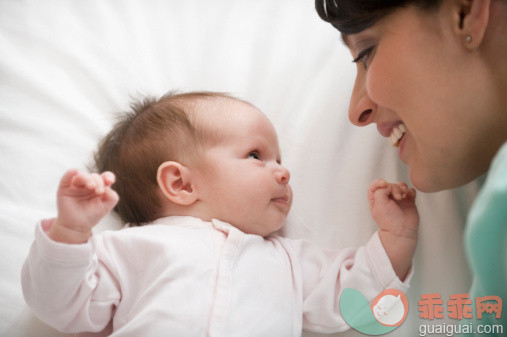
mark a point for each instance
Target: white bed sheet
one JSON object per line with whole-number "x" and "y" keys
{"x": 67, "y": 66}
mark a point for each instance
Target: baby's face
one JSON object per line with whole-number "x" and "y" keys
{"x": 241, "y": 178}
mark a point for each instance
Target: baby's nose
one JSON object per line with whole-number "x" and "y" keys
{"x": 282, "y": 175}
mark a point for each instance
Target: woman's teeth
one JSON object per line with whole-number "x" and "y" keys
{"x": 397, "y": 134}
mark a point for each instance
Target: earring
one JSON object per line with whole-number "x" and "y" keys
{"x": 468, "y": 38}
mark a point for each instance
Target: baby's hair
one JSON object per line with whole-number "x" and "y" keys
{"x": 153, "y": 131}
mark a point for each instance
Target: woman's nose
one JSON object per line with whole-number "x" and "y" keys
{"x": 282, "y": 175}
{"x": 361, "y": 109}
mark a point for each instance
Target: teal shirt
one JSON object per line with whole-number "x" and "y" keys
{"x": 486, "y": 243}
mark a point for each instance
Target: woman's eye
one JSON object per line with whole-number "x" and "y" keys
{"x": 254, "y": 155}
{"x": 364, "y": 57}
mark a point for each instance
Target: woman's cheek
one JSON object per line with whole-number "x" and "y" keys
{"x": 383, "y": 83}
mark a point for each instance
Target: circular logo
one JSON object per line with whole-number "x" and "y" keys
{"x": 386, "y": 313}
{"x": 390, "y": 307}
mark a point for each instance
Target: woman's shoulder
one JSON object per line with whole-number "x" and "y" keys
{"x": 497, "y": 175}
{"x": 492, "y": 199}
{"x": 501, "y": 155}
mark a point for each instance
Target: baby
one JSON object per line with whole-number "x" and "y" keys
{"x": 199, "y": 179}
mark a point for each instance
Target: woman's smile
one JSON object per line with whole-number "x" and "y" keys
{"x": 401, "y": 148}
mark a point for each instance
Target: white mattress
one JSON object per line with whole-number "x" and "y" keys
{"x": 66, "y": 67}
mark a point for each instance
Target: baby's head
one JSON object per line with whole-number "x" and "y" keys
{"x": 200, "y": 154}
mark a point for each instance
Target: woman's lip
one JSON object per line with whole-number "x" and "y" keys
{"x": 401, "y": 149}
{"x": 386, "y": 128}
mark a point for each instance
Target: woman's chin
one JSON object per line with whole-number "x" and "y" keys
{"x": 426, "y": 183}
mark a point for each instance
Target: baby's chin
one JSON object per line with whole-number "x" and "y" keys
{"x": 263, "y": 227}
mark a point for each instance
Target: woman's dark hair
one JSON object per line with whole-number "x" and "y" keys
{"x": 354, "y": 16}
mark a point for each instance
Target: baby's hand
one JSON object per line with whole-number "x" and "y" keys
{"x": 392, "y": 206}
{"x": 82, "y": 199}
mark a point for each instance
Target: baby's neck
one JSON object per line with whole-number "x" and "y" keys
{"x": 198, "y": 210}
{"x": 195, "y": 210}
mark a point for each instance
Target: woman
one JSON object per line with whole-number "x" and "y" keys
{"x": 432, "y": 74}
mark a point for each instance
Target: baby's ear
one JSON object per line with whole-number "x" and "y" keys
{"x": 175, "y": 181}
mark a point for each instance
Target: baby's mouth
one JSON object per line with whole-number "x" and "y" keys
{"x": 397, "y": 134}
{"x": 282, "y": 200}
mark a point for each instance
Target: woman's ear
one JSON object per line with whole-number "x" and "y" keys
{"x": 175, "y": 182}
{"x": 473, "y": 21}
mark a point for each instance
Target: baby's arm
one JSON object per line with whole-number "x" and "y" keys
{"x": 324, "y": 274}
{"x": 65, "y": 280}
{"x": 392, "y": 206}
{"x": 82, "y": 199}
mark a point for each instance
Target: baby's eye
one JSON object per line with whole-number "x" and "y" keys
{"x": 254, "y": 155}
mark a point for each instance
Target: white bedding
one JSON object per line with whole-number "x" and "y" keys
{"x": 67, "y": 66}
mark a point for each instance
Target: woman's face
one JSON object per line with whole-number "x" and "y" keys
{"x": 416, "y": 70}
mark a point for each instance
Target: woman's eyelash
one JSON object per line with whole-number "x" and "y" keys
{"x": 363, "y": 57}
